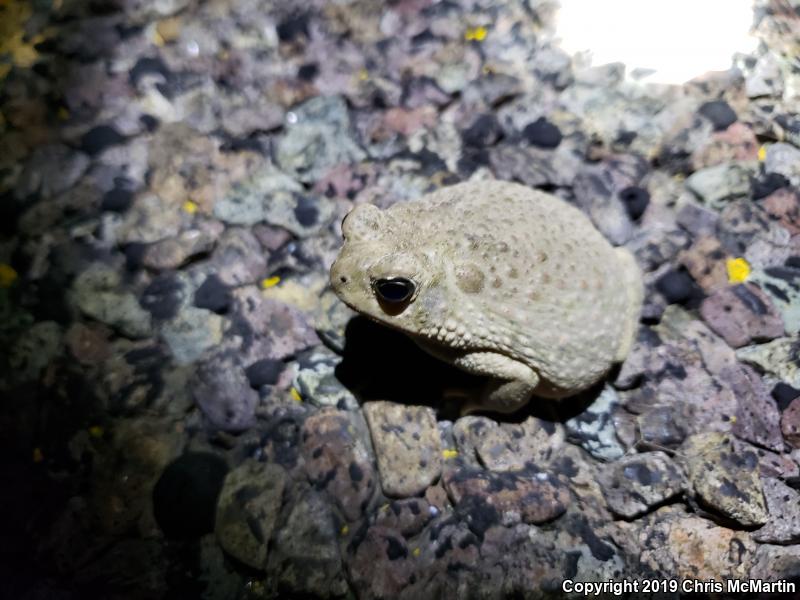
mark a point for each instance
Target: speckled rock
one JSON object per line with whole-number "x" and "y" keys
{"x": 407, "y": 515}
{"x": 720, "y": 184}
{"x": 238, "y": 258}
{"x": 191, "y": 333}
{"x": 171, "y": 253}
{"x": 688, "y": 547}
{"x": 50, "y": 170}
{"x": 783, "y": 504}
{"x": 95, "y": 293}
{"x": 597, "y": 188}
{"x": 317, "y": 382}
{"x": 305, "y": 558}
{"x": 635, "y": 484}
{"x": 778, "y": 358}
{"x": 407, "y": 446}
{"x": 774, "y": 563}
{"x": 790, "y": 423}
{"x": 506, "y": 446}
{"x": 527, "y": 496}
{"x": 782, "y": 285}
{"x": 725, "y": 477}
{"x": 705, "y": 261}
{"x": 223, "y": 393}
{"x": 784, "y": 205}
{"x": 742, "y": 315}
{"x": 266, "y": 328}
{"x": 247, "y": 511}
{"x": 317, "y": 139}
{"x": 149, "y": 220}
{"x": 381, "y": 566}
{"x": 337, "y": 460}
{"x": 593, "y": 429}
{"x": 783, "y": 159}
{"x": 33, "y": 351}
{"x": 757, "y": 417}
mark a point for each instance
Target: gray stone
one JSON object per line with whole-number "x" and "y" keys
{"x": 305, "y": 559}
{"x": 790, "y": 423}
{"x": 239, "y": 258}
{"x": 191, "y": 333}
{"x": 33, "y": 351}
{"x": 150, "y": 220}
{"x": 783, "y": 505}
{"x": 96, "y": 293}
{"x": 171, "y": 253}
{"x": 317, "y": 382}
{"x": 635, "y": 484}
{"x": 784, "y": 159}
{"x": 776, "y": 358}
{"x": 594, "y": 430}
{"x": 247, "y": 511}
{"x": 317, "y": 139}
{"x": 725, "y": 477}
{"x": 50, "y": 170}
{"x": 757, "y": 417}
{"x": 247, "y": 203}
{"x": 720, "y": 184}
{"x": 596, "y": 188}
{"x": 407, "y": 446}
{"x": 223, "y": 393}
{"x": 782, "y": 286}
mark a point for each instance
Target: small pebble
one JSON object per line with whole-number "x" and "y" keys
{"x": 719, "y": 113}
{"x": 635, "y": 200}
{"x": 100, "y": 138}
{"x": 677, "y": 287}
{"x": 542, "y": 133}
{"x": 783, "y": 394}
{"x": 213, "y": 295}
{"x": 264, "y": 372}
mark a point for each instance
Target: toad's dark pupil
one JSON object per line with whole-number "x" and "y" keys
{"x": 394, "y": 290}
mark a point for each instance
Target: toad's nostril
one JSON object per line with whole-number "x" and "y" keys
{"x": 343, "y": 279}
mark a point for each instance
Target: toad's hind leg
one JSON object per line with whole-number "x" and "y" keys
{"x": 511, "y": 384}
{"x": 634, "y": 291}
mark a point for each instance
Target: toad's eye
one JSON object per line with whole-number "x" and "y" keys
{"x": 394, "y": 291}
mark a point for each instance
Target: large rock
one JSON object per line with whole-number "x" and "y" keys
{"x": 407, "y": 446}
{"x": 247, "y": 511}
{"x": 725, "y": 477}
{"x": 635, "y": 484}
{"x": 337, "y": 460}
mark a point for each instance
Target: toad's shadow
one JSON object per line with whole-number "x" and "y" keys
{"x": 379, "y": 363}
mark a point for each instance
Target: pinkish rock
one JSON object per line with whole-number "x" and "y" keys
{"x": 790, "y": 423}
{"x": 705, "y": 261}
{"x": 736, "y": 143}
{"x": 381, "y": 567}
{"x": 784, "y": 205}
{"x": 757, "y": 416}
{"x": 742, "y": 314}
{"x": 532, "y": 497}
{"x": 338, "y": 461}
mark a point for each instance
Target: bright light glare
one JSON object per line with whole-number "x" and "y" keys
{"x": 678, "y": 39}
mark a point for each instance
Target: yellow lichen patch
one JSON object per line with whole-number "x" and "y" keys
{"x": 449, "y": 453}
{"x": 762, "y": 153}
{"x": 475, "y": 34}
{"x": 62, "y": 113}
{"x": 190, "y": 207}
{"x": 295, "y": 395}
{"x": 38, "y": 456}
{"x": 344, "y": 530}
{"x": 415, "y": 552}
{"x": 363, "y": 75}
{"x": 7, "y": 275}
{"x": 738, "y": 270}
{"x": 96, "y": 431}
{"x": 270, "y": 282}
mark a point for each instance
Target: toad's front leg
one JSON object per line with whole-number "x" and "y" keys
{"x": 511, "y": 382}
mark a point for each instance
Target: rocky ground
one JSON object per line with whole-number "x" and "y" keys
{"x": 189, "y": 412}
